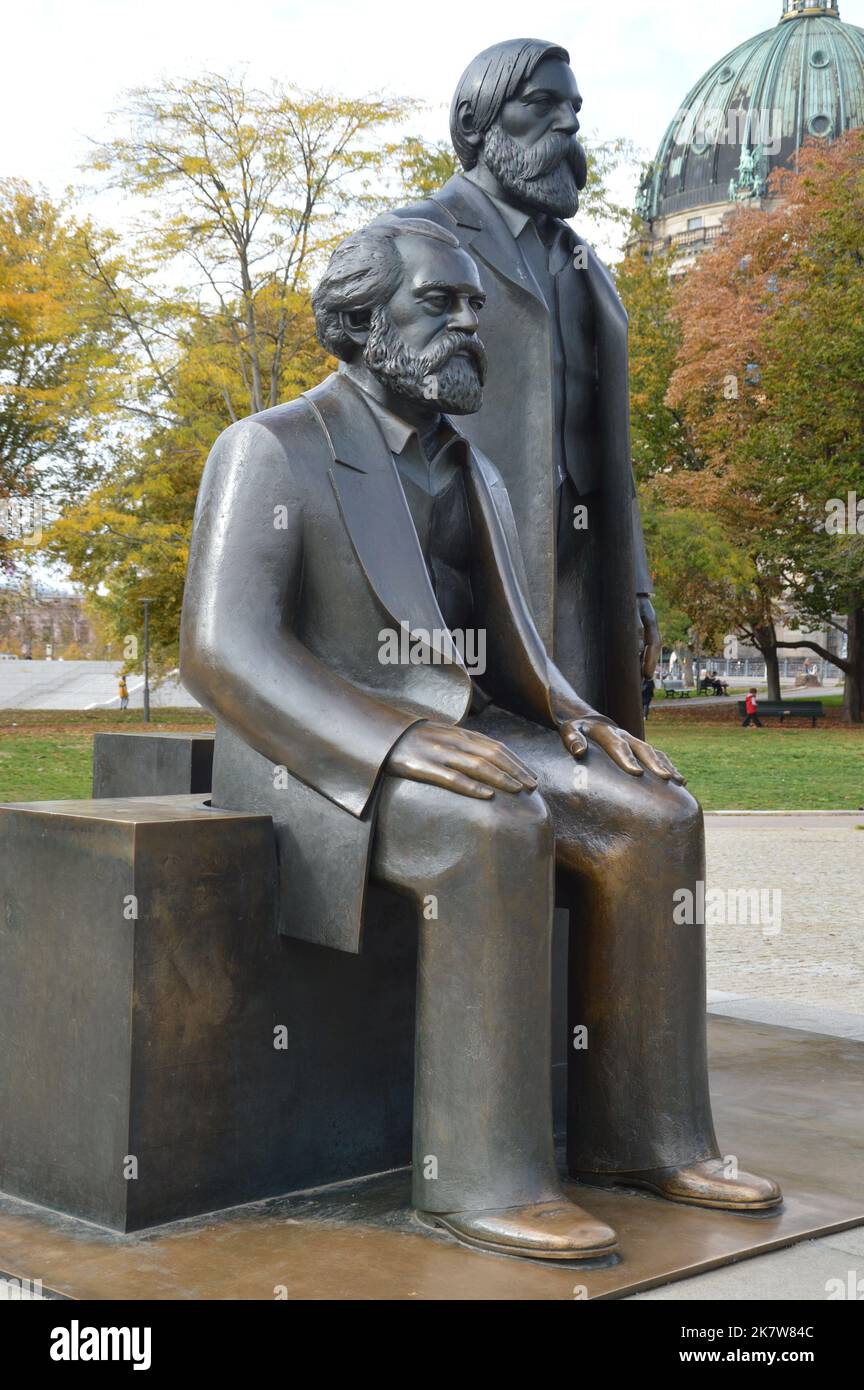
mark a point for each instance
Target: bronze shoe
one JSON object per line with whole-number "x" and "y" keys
{"x": 556, "y": 1230}
{"x": 698, "y": 1185}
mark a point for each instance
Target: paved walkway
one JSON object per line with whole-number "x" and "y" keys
{"x": 803, "y": 1273}
{"x": 815, "y": 954}
{"x": 809, "y": 976}
{"x": 79, "y": 685}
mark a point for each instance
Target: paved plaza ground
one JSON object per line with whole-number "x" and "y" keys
{"x": 810, "y": 975}
{"x": 79, "y": 685}
{"x": 817, "y": 863}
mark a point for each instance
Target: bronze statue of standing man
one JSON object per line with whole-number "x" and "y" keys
{"x": 555, "y": 416}
{"x": 555, "y": 421}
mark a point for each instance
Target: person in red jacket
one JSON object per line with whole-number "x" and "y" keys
{"x": 751, "y": 704}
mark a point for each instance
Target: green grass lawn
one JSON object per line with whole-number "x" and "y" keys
{"x": 46, "y": 755}
{"x": 773, "y": 769}
{"x": 58, "y": 768}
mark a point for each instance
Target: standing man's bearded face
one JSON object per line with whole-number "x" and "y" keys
{"x": 546, "y": 176}
{"x": 532, "y": 148}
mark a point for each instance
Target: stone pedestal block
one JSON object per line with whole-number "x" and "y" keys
{"x": 165, "y": 764}
{"x": 152, "y": 764}
{"x": 163, "y": 1052}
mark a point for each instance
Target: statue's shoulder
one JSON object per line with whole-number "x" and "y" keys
{"x": 290, "y": 420}
{"x": 449, "y": 207}
{"x": 291, "y": 427}
{"x": 430, "y": 210}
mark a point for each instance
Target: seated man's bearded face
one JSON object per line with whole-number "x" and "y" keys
{"x": 532, "y": 148}
{"x": 423, "y": 344}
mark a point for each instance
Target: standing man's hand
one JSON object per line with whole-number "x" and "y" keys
{"x": 631, "y": 754}
{"x": 652, "y": 644}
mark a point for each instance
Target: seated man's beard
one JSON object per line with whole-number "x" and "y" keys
{"x": 547, "y": 175}
{"x": 453, "y": 383}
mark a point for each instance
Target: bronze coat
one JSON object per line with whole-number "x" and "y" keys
{"x": 303, "y": 552}
{"x": 515, "y": 428}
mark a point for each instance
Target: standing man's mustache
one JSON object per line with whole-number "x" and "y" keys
{"x": 578, "y": 163}
{"x": 545, "y": 156}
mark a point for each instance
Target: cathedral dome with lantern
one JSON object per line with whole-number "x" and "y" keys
{"x": 752, "y": 111}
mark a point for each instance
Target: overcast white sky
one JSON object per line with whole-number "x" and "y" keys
{"x": 66, "y": 62}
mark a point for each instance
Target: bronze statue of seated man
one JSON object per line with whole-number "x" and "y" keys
{"x": 342, "y": 543}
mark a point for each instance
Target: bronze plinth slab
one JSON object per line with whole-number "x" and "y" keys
{"x": 788, "y": 1102}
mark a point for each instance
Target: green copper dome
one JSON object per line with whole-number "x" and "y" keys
{"x": 754, "y": 109}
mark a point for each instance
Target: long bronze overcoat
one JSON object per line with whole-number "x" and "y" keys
{"x": 515, "y": 429}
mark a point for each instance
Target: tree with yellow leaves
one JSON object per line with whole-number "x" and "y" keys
{"x": 241, "y": 194}
{"x": 61, "y": 351}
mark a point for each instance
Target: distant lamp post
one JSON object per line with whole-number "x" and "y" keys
{"x": 146, "y": 602}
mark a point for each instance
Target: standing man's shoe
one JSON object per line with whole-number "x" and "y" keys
{"x": 698, "y": 1185}
{"x": 549, "y": 1231}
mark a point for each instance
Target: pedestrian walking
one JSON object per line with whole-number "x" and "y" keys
{"x": 751, "y": 704}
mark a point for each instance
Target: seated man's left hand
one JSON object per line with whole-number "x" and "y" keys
{"x": 631, "y": 754}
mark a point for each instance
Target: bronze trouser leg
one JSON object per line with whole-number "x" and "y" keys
{"x": 638, "y": 1093}
{"x": 481, "y": 873}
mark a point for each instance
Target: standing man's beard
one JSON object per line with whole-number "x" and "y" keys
{"x": 547, "y": 175}
{"x": 453, "y": 383}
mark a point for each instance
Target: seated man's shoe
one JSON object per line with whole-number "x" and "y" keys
{"x": 556, "y": 1230}
{"x": 702, "y": 1184}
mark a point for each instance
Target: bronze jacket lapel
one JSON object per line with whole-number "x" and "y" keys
{"x": 373, "y": 507}
{"x": 376, "y": 516}
{"x": 492, "y": 239}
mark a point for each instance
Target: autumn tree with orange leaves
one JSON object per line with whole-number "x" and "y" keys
{"x": 769, "y": 376}
{"x": 707, "y": 583}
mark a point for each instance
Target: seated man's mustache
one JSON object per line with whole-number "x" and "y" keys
{"x": 448, "y": 345}
{"x": 389, "y": 357}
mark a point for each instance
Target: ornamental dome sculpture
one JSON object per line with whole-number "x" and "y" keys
{"x": 751, "y": 112}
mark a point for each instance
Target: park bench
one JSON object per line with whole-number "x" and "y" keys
{"x": 783, "y": 709}
{"x": 718, "y": 687}
{"x": 673, "y": 688}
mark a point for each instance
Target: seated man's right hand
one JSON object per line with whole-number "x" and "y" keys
{"x": 464, "y": 762}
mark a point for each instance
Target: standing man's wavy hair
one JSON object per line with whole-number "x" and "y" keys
{"x": 491, "y": 79}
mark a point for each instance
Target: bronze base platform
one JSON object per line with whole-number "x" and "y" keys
{"x": 787, "y": 1103}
